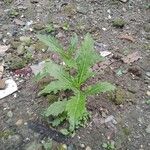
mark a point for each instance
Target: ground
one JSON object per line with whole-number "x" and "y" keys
{"x": 121, "y": 28}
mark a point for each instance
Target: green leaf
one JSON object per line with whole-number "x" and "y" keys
{"x": 54, "y": 86}
{"x": 56, "y": 108}
{"x": 73, "y": 44}
{"x": 50, "y": 41}
{"x": 75, "y": 110}
{"x": 86, "y": 58}
{"x": 99, "y": 88}
{"x": 58, "y": 120}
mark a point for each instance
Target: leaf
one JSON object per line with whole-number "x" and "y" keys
{"x": 73, "y": 44}
{"x": 58, "y": 120}
{"x": 75, "y": 110}
{"x": 56, "y": 108}
{"x": 86, "y": 58}
{"x": 51, "y": 42}
{"x": 99, "y": 88}
{"x": 54, "y": 86}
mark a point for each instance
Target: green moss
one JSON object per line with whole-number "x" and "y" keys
{"x": 126, "y": 131}
{"x": 118, "y": 23}
{"x": 118, "y": 96}
{"x": 5, "y": 134}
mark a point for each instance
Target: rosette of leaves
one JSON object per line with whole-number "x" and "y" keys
{"x": 81, "y": 60}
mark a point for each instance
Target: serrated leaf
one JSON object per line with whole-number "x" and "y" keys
{"x": 99, "y": 88}
{"x": 50, "y": 41}
{"x": 58, "y": 120}
{"x": 73, "y": 44}
{"x": 54, "y": 86}
{"x": 86, "y": 58}
{"x": 75, "y": 109}
{"x": 56, "y": 108}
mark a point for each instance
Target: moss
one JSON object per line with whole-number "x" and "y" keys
{"x": 5, "y": 134}
{"x": 118, "y": 96}
{"x": 126, "y": 131}
{"x": 118, "y": 23}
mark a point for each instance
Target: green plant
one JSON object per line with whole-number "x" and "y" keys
{"x": 47, "y": 144}
{"x": 80, "y": 60}
{"x": 109, "y": 145}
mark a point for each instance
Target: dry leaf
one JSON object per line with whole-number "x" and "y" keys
{"x": 127, "y": 37}
{"x": 131, "y": 58}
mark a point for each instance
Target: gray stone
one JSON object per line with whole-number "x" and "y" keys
{"x": 148, "y": 129}
{"x": 10, "y": 114}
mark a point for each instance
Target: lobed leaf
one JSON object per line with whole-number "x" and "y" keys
{"x": 99, "y": 88}
{"x": 75, "y": 109}
{"x": 56, "y": 108}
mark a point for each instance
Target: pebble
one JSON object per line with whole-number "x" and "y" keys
{"x": 88, "y": 148}
{"x": 148, "y": 129}
{"x": 19, "y": 122}
{"x": 148, "y": 74}
{"x": 148, "y": 93}
{"x": 124, "y": 1}
{"x": 82, "y": 145}
{"x": 10, "y": 114}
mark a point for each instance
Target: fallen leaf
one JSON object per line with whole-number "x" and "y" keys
{"x": 131, "y": 58}
{"x": 3, "y": 49}
{"x": 127, "y": 37}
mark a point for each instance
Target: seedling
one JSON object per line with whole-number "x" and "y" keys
{"x": 80, "y": 60}
{"x": 109, "y": 145}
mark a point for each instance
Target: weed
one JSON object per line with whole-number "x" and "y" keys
{"x": 109, "y": 145}
{"x": 47, "y": 144}
{"x": 80, "y": 60}
{"x": 118, "y": 23}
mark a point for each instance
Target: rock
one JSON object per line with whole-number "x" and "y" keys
{"x": 38, "y": 26}
{"x": 2, "y": 84}
{"x": 148, "y": 129}
{"x": 19, "y": 122}
{"x": 82, "y": 145}
{"x": 118, "y": 23}
{"x": 147, "y": 27}
{"x": 148, "y": 74}
{"x": 10, "y": 114}
{"x": 25, "y": 39}
{"x": 34, "y": 1}
{"x": 88, "y": 148}
{"x": 124, "y": 1}
{"x": 148, "y": 93}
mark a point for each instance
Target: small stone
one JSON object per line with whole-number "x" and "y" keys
{"x": 148, "y": 93}
{"x": 148, "y": 74}
{"x": 19, "y": 122}
{"x": 10, "y": 114}
{"x": 82, "y": 145}
{"x": 38, "y": 26}
{"x": 88, "y": 148}
{"x": 147, "y": 27}
{"x": 2, "y": 84}
{"x": 25, "y": 39}
{"x": 118, "y": 23}
{"x": 124, "y": 1}
{"x": 148, "y": 129}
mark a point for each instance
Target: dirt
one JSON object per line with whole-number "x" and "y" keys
{"x": 128, "y": 127}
